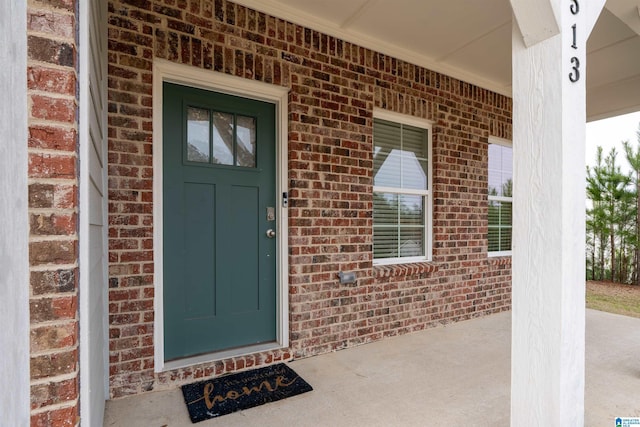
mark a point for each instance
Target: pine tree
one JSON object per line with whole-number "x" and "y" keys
{"x": 596, "y": 217}
{"x": 633, "y": 157}
{"x": 607, "y": 188}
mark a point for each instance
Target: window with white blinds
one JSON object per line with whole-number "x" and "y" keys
{"x": 500, "y": 198}
{"x": 401, "y": 191}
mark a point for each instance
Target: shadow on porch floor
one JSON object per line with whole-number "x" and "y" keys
{"x": 453, "y": 375}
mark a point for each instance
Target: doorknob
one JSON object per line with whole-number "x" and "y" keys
{"x": 271, "y": 233}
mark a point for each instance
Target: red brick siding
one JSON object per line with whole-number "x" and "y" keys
{"x": 53, "y": 209}
{"x": 334, "y": 87}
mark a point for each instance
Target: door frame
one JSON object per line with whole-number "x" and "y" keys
{"x": 166, "y": 71}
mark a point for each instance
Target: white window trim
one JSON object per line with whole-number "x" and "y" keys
{"x": 428, "y": 194}
{"x": 504, "y": 143}
{"x": 166, "y": 71}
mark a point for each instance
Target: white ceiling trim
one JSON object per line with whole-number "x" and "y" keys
{"x": 287, "y": 13}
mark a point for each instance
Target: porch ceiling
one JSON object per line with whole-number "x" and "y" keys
{"x": 471, "y": 40}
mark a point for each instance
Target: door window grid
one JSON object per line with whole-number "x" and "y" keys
{"x": 219, "y": 138}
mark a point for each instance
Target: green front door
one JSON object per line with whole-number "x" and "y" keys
{"x": 218, "y": 207}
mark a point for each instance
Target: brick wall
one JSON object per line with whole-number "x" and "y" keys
{"x": 334, "y": 87}
{"x": 53, "y": 202}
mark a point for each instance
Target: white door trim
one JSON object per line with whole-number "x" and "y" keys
{"x": 165, "y": 71}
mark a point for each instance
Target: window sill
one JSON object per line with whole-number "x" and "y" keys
{"x": 499, "y": 254}
{"x": 395, "y": 270}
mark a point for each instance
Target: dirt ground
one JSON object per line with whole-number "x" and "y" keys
{"x": 614, "y": 298}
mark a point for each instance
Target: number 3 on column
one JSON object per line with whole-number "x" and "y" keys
{"x": 574, "y": 75}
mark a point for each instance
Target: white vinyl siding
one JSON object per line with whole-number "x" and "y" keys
{"x": 401, "y": 192}
{"x": 94, "y": 333}
{"x": 14, "y": 216}
{"x": 500, "y": 197}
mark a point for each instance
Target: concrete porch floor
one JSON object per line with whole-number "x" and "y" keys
{"x": 453, "y": 375}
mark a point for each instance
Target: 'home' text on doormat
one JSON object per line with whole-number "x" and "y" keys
{"x": 220, "y": 396}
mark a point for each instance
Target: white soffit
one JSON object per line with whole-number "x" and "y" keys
{"x": 613, "y": 64}
{"x": 628, "y": 11}
{"x": 471, "y": 40}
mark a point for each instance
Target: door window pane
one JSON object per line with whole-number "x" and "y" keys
{"x": 246, "y": 141}
{"x": 223, "y": 138}
{"x": 198, "y": 148}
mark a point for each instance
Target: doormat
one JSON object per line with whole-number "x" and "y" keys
{"x": 235, "y": 392}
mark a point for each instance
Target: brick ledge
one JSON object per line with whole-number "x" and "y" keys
{"x": 395, "y": 270}
{"x": 503, "y": 260}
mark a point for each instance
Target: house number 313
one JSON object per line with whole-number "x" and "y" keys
{"x": 574, "y": 75}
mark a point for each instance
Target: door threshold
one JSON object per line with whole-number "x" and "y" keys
{"x": 219, "y": 355}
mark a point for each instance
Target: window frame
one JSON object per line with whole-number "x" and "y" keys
{"x": 505, "y": 143}
{"x": 427, "y": 194}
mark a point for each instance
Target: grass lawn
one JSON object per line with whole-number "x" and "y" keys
{"x": 614, "y": 298}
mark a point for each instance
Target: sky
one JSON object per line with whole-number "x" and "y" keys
{"x": 609, "y": 133}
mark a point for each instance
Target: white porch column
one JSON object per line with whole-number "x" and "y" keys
{"x": 14, "y": 227}
{"x": 549, "y": 115}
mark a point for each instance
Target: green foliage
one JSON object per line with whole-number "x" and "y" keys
{"x": 613, "y": 223}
